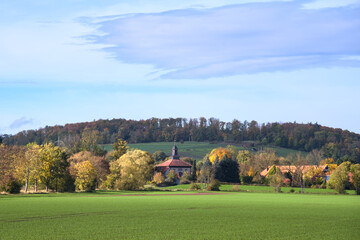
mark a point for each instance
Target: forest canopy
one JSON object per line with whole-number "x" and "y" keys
{"x": 341, "y": 145}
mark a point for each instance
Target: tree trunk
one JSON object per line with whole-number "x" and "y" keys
{"x": 302, "y": 184}
{"x": 35, "y": 185}
{"x": 27, "y": 180}
{"x": 47, "y": 188}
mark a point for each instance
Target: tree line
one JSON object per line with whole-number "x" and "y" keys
{"x": 341, "y": 145}
{"x": 48, "y": 167}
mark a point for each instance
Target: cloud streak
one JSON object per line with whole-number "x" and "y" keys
{"x": 18, "y": 123}
{"x": 236, "y": 39}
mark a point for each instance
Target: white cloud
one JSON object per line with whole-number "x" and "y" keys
{"x": 236, "y": 39}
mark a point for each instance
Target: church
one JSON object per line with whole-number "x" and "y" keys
{"x": 174, "y": 163}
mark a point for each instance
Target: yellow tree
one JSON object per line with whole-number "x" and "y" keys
{"x": 100, "y": 165}
{"x": 218, "y": 153}
{"x": 54, "y": 165}
{"x": 85, "y": 176}
{"x": 136, "y": 168}
{"x": 10, "y": 157}
{"x": 29, "y": 168}
{"x": 120, "y": 148}
{"x": 243, "y": 156}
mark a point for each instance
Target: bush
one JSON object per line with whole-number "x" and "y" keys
{"x": 12, "y": 185}
{"x": 195, "y": 186}
{"x": 214, "y": 186}
{"x": 185, "y": 179}
{"x": 171, "y": 177}
{"x": 246, "y": 179}
{"x": 159, "y": 178}
{"x": 236, "y": 188}
{"x": 287, "y": 182}
{"x": 292, "y": 190}
{"x": 276, "y": 180}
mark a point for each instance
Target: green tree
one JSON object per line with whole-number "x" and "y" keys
{"x": 228, "y": 170}
{"x": 159, "y": 156}
{"x": 340, "y": 177}
{"x": 355, "y": 171}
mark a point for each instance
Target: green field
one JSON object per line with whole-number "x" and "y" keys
{"x": 161, "y": 215}
{"x": 195, "y": 150}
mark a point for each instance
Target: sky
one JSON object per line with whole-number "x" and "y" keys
{"x": 271, "y": 61}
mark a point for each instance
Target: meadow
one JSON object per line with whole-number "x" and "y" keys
{"x": 196, "y": 150}
{"x": 179, "y": 215}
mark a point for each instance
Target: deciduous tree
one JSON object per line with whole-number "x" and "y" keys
{"x": 85, "y": 176}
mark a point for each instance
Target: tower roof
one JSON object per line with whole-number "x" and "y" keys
{"x": 174, "y": 153}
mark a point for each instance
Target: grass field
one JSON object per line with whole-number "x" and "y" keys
{"x": 195, "y": 150}
{"x": 155, "y": 215}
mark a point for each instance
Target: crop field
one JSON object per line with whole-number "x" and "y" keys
{"x": 179, "y": 215}
{"x": 195, "y": 150}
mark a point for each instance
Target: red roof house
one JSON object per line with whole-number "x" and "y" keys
{"x": 174, "y": 163}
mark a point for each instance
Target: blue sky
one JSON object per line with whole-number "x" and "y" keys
{"x": 75, "y": 60}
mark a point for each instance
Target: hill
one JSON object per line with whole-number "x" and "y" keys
{"x": 338, "y": 144}
{"x": 197, "y": 150}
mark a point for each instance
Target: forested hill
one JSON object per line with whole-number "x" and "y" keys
{"x": 336, "y": 143}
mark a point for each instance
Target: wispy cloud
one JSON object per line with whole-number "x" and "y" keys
{"x": 18, "y": 123}
{"x": 236, "y": 39}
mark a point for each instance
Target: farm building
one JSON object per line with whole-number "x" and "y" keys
{"x": 174, "y": 163}
{"x": 323, "y": 170}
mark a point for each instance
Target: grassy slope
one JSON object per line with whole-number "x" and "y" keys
{"x": 231, "y": 216}
{"x": 196, "y": 150}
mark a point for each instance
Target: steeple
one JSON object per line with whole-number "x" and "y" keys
{"x": 174, "y": 154}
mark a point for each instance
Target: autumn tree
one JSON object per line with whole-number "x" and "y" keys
{"x": 159, "y": 178}
{"x": 9, "y": 156}
{"x": 85, "y": 176}
{"x": 29, "y": 168}
{"x": 355, "y": 178}
{"x": 276, "y": 179}
{"x": 136, "y": 168}
{"x": 218, "y": 153}
{"x": 54, "y": 166}
{"x": 340, "y": 177}
{"x": 206, "y": 173}
{"x": 99, "y": 163}
{"x": 89, "y": 141}
{"x": 120, "y": 148}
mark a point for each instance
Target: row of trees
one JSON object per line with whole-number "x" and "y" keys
{"x": 228, "y": 165}
{"x": 336, "y": 143}
{"x": 52, "y": 167}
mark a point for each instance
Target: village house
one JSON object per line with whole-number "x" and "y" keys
{"x": 174, "y": 163}
{"x": 303, "y": 168}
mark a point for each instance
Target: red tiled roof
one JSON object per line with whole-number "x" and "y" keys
{"x": 174, "y": 163}
{"x": 292, "y": 169}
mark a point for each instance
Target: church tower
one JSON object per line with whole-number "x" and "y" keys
{"x": 174, "y": 153}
